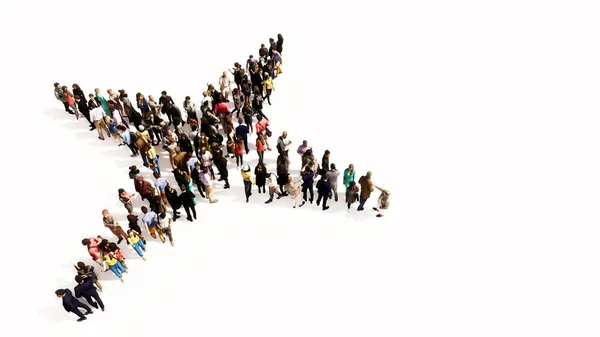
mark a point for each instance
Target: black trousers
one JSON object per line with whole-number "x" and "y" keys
{"x": 187, "y": 210}
{"x": 324, "y": 198}
{"x": 308, "y": 188}
{"x": 133, "y": 148}
{"x": 76, "y": 311}
{"x": 94, "y": 296}
{"x": 247, "y": 188}
{"x": 201, "y": 188}
{"x": 67, "y": 109}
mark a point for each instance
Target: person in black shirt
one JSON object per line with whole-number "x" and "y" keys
{"x": 189, "y": 202}
{"x": 71, "y": 304}
{"x": 163, "y": 100}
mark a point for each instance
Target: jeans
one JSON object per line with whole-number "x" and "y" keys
{"x": 117, "y": 268}
{"x": 169, "y": 233}
{"x": 139, "y": 246}
{"x": 157, "y": 164}
{"x": 261, "y": 156}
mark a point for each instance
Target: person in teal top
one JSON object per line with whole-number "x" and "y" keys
{"x": 349, "y": 175}
{"x": 103, "y": 103}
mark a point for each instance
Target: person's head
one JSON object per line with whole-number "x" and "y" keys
{"x": 325, "y": 176}
{"x": 284, "y": 135}
{"x": 352, "y": 183}
{"x": 163, "y": 215}
{"x": 279, "y": 37}
{"x": 198, "y": 165}
{"x": 156, "y": 175}
{"x": 259, "y": 117}
{"x": 121, "y": 191}
{"x": 251, "y": 57}
{"x": 97, "y": 91}
{"x": 290, "y": 179}
{"x": 150, "y": 97}
{"x": 121, "y": 128}
{"x": 327, "y": 153}
{"x": 351, "y": 167}
{"x": 139, "y": 179}
{"x": 56, "y": 85}
{"x": 76, "y": 86}
{"x": 105, "y": 212}
{"x": 187, "y": 98}
{"x": 85, "y": 242}
{"x": 246, "y": 168}
{"x": 144, "y": 209}
{"x": 271, "y": 40}
{"x": 91, "y": 96}
{"x": 304, "y": 143}
{"x": 369, "y": 174}
{"x": 64, "y": 88}
{"x": 386, "y": 193}
{"x": 81, "y": 265}
{"x": 240, "y": 120}
{"x": 203, "y": 150}
{"x": 205, "y": 169}
{"x": 163, "y": 93}
{"x": 333, "y": 166}
{"x": 157, "y": 199}
{"x": 109, "y": 91}
{"x": 60, "y": 292}
{"x": 78, "y": 278}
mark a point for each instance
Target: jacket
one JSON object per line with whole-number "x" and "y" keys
{"x": 383, "y": 201}
{"x": 173, "y": 199}
{"x": 308, "y": 178}
{"x": 293, "y": 189}
{"x": 261, "y": 175}
{"x": 93, "y": 248}
{"x": 59, "y": 94}
{"x": 348, "y": 177}
{"x": 323, "y": 187}
{"x": 68, "y": 301}
{"x": 85, "y": 288}
{"x": 352, "y": 194}
{"x": 333, "y": 178}
{"x": 366, "y": 187}
{"x": 247, "y": 176}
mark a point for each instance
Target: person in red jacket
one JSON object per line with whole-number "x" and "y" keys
{"x": 93, "y": 249}
{"x": 239, "y": 152}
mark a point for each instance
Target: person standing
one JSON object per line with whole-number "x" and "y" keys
{"x": 160, "y": 184}
{"x": 60, "y": 95}
{"x": 272, "y": 180}
{"x": 174, "y": 201}
{"x": 248, "y": 181}
{"x": 188, "y": 199}
{"x": 239, "y": 152}
{"x": 260, "y": 173}
{"x": 97, "y": 117}
{"x": 150, "y": 221}
{"x": 349, "y": 175}
{"x": 333, "y": 175}
{"x": 293, "y": 190}
{"x": 83, "y": 108}
{"x": 144, "y": 188}
{"x": 383, "y": 203}
{"x": 112, "y": 263}
{"x": 85, "y": 288}
{"x": 284, "y": 143}
{"x": 308, "y": 178}
{"x": 206, "y": 180}
{"x": 111, "y": 223}
{"x": 136, "y": 242}
{"x": 93, "y": 248}
{"x": 126, "y": 199}
{"x": 88, "y": 271}
{"x": 352, "y": 192}
{"x": 165, "y": 222}
{"x": 323, "y": 191}
{"x": 366, "y": 187}
{"x": 71, "y": 100}
{"x": 103, "y": 103}
{"x": 71, "y": 304}
{"x": 241, "y": 132}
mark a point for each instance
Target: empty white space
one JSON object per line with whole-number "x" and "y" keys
{"x": 480, "y": 117}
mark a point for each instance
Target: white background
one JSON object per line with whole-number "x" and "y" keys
{"x": 480, "y": 117}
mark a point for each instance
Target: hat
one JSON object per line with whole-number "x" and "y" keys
{"x": 141, "y": 128}
{"x": 246, "y": 167}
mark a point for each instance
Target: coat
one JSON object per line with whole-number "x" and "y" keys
{"x": 68, "y": 301}
{"x": 348, "y": 177}
{"x": 352, "y": 194}
{"x": 261, "y": 176}
{"x": 85, "y": 288}
{"x": 366, "y": 187}
{"x": 173, "y": 199}
{"x": 293, "y": 189}
{"x": 323, "y": 187}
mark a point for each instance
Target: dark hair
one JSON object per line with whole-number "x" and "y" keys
{"x": 332, "y": 166}
{"x": 250, "y": 57}
{"x": 121, "y": 190}
{"x": 156, "y": 175}
{"x": 163, "y": 92}
{"x": 75, "y": 85}
{"x": 163, "y": 215}
{"x": 187, "y": 97}
{"x": 55, "y": 84}
{"x": 121, "y": 127}
{"x": 81, "y": 264}
{"x": 85, "y": 242}
{"x": 78, "y": 279}
{"x": 144, "y": 209}
{"x": 60, "y": 292}
{"x": 240, "y": 121}
{"x": 279, "y": 37}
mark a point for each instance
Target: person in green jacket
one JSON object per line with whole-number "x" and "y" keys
{"x": 103, "y": 103}
{"x": 349, "y": 175}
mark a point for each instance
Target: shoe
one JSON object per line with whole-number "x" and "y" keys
{"x": 89, "y": 313}
{"x": 302, "y": 204}
{"x": 95, "y": 305}
{"x": 269, "y": 201}
{"x": 247, "y": 199}
{"x": 325, "y": 208}
{"x": 122, "y": 280}
{"x": 214, "y": 201}
{"x": 375, "y": 209}
{"x": 144, "y": 258}
{"x": 172, "y": 244}
{"x": 120, "y": 240}
{"x": 294, "y": 207}
{"x": 189, "y": 219}
{"x": 81, "y": 319}
{"x": 379, "y": 215}
{"x": 102, "y": 309}
{"x": 360, "y": 209}
{"x": 310, "y": 200}
{"x": 318, "y": 202}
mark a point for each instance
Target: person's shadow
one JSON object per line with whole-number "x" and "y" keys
{"x": 56, "y": 313}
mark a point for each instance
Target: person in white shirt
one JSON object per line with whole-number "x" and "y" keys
{"x": 97, "y": 117}
{"x": 225, "y": 85}
{"x": 207, "y": 161}
{"x": 284, "y": 143}
{"x": 165, "y": 222}
{"x": 208, "y": 184}
{"x": 272, "y": 180}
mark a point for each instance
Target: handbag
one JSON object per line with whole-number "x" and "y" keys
{"x": 268, "y": 132}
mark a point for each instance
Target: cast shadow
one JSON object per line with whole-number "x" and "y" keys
{"x": 56, "y": 313}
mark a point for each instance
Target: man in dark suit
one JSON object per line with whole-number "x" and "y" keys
{"x": 241, "y": 131}
{"x": 87, "y": 289}
{"x": 71, "y": 304}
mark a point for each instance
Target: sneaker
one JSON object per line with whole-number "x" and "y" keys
{"x": 102, "y": 309}
{"x": 81, "y": 319}
{"x": 325, "y": 208}
{"x": 214, "y": 201}
{"x": 122, "y": 280}
{"x": 302, "y": 204}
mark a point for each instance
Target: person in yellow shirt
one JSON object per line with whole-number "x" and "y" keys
{"x": 137, "y": 243}
{"x": 110, "y": 262}
{"x": 248, "y": 181}
{"x": 269, "y": 87}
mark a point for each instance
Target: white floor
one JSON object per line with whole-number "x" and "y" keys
{"x": 476, "y": 118}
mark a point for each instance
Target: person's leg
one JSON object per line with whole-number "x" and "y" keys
{"x": 312, "y": 193}
{"x": 212, "y": 171}
{"x": 99, "y": 129}
{"x": 67, "y": 107}
{"x": 137, "y": 248}
{"x": 319, "y": 197}
{"x": 237, "y": 160}
{"x": 132, "y": 148}
{"x": 193, "y": 208}
{"x": 335, "y": 194}
{"x": 157, "y": 164}
{"x": 91, "y": 301}
{"x": 142, "y": 244}
{"x": 187, "y": 212}
{"x": 209, "y": 193}
{"x": 361, "y": 204}
{"x": 122, "y": 234}
{"x": 161, "y": 235}
{"x": 169, "y": 233}
{"x": 79, "y": 314}
{"x": 246, "y": 141}
{"x": 115, "y": 270}
{"x": 269, "y": 96}
{"x": 98, "y": 300}
{"x": 152, "y": 231}
{"x": 121, "y": 267}
{"x": 325, "y": 198}
{"x": 260, "y": 156}
{"x": 304, "y": 190}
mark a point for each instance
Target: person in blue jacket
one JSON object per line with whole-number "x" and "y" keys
{"x": 87, "y": 289}
{"x": 71, "y": 304}
{"x": 323, "y": 191}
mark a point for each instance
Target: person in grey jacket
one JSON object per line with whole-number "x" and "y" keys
{"x": 333, "y": 174}
{"x": 60, "y": 95}
{"x": 383, "y": 203}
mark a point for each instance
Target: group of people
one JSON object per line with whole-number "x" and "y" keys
{"x": 209, "y": 141}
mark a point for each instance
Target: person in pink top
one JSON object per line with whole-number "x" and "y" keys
{"x": 93, "y": 249}
{"x": 262, "y": 126}
{"x": 261, "y": 147}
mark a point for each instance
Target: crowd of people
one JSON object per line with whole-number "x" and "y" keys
{"x": 218, "y": 130}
